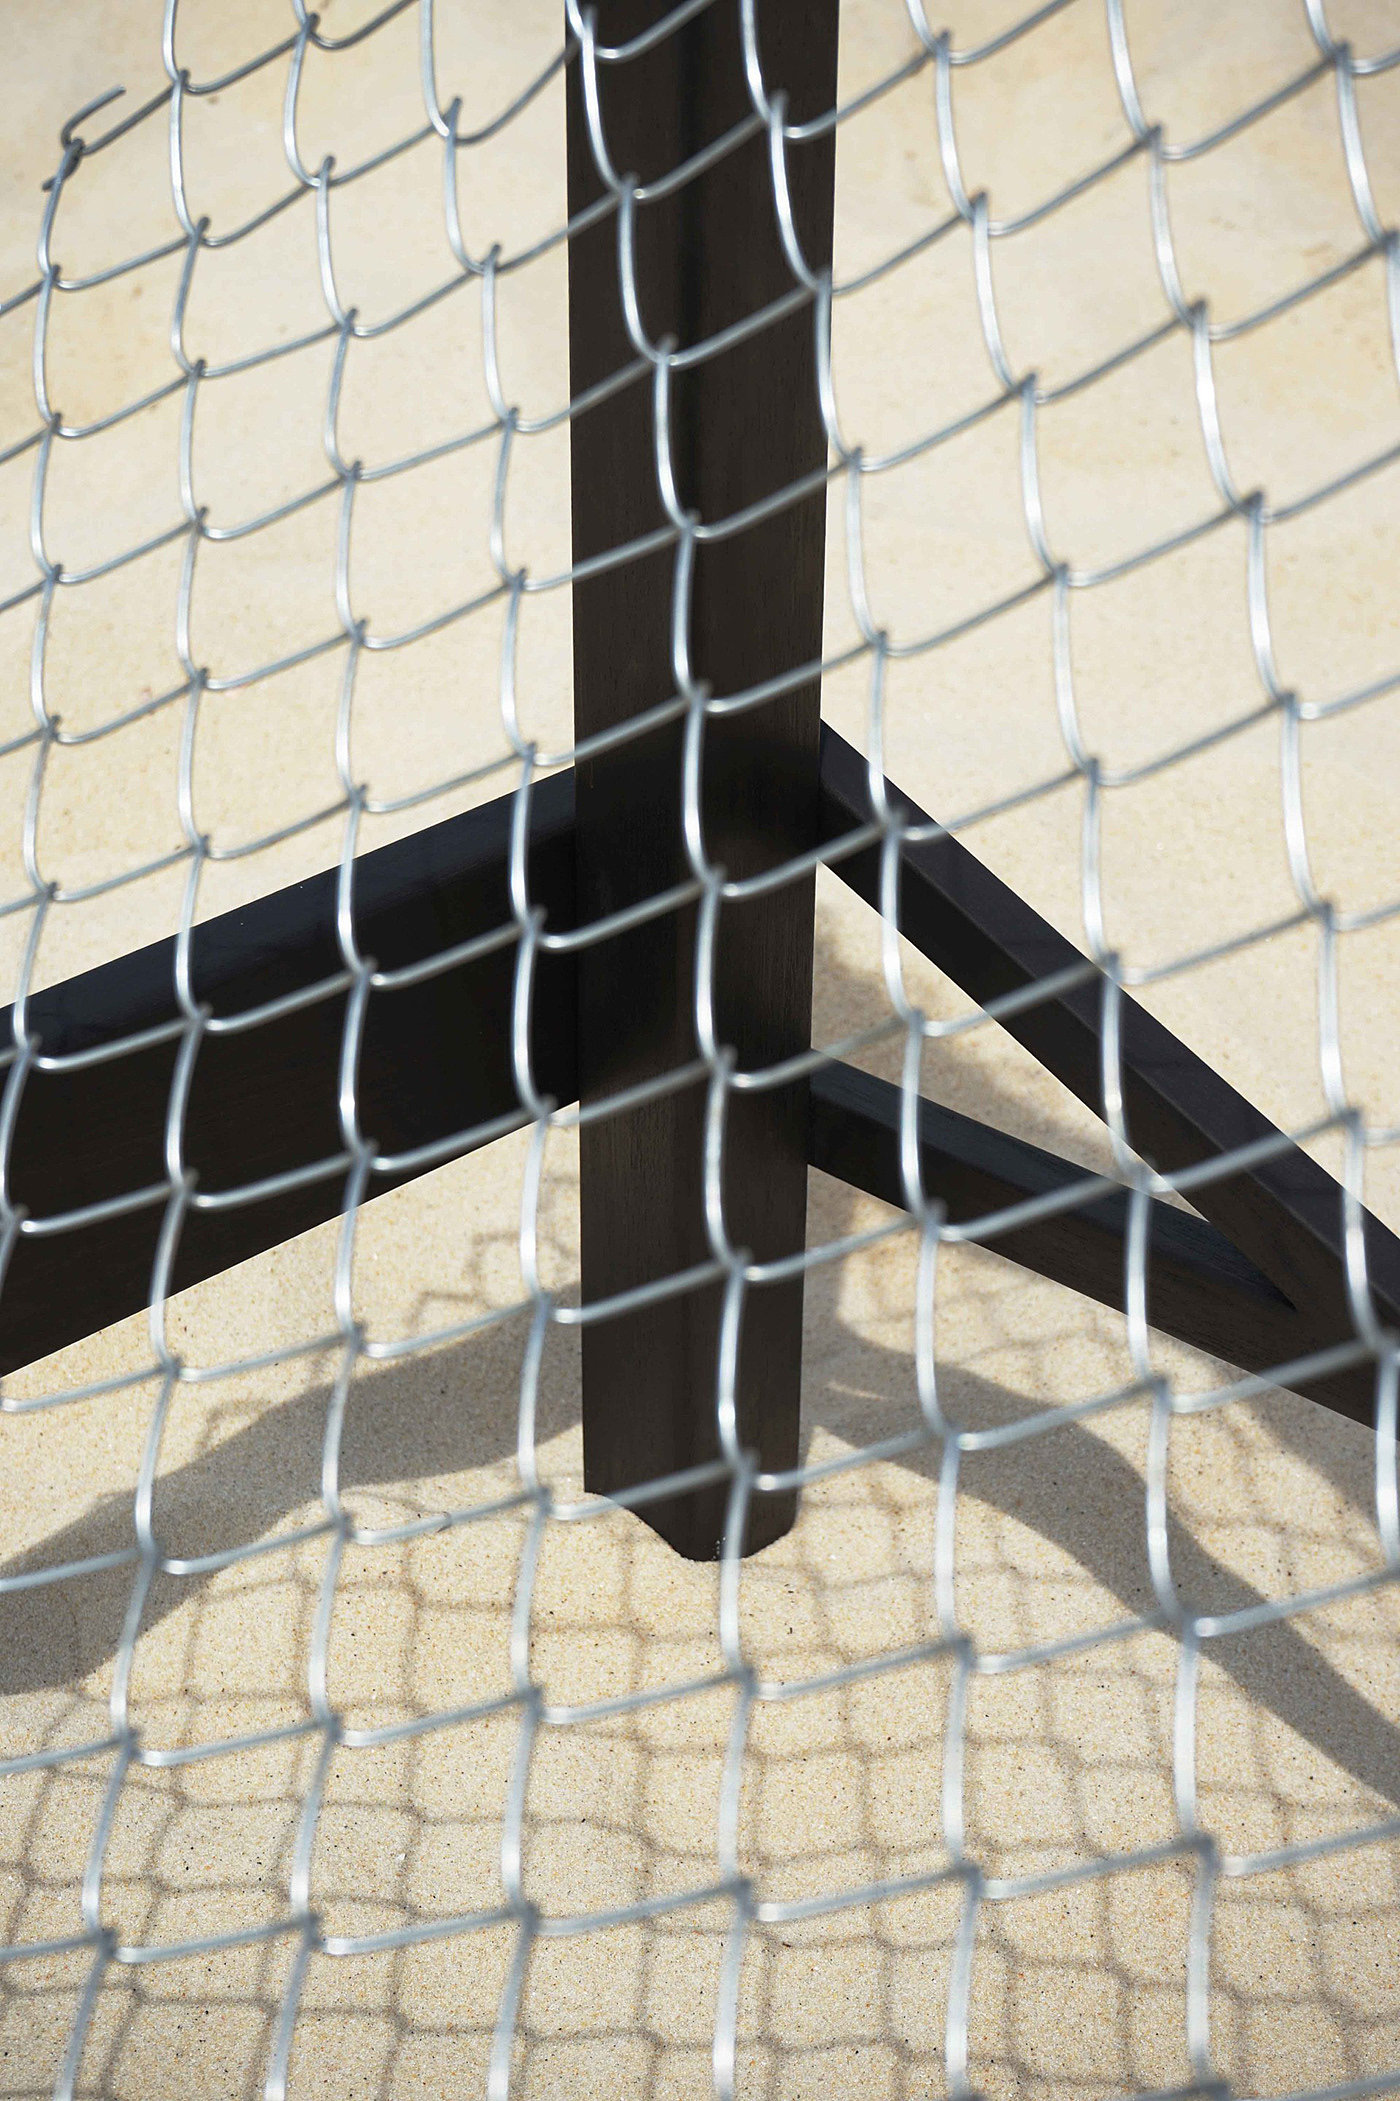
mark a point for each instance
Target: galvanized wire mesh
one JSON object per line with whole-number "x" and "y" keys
{"x": 936, "y": 59}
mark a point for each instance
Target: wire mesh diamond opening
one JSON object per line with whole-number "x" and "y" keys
{"x": 446, "y": 451}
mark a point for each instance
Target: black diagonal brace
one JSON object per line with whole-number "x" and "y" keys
{"x": 435, "y": 1072}
{"x": 1285, "y": 1214}
{"x": 1201, "y": 1289}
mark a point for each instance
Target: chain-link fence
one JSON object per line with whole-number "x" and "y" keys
{"x": 879, "y": 562}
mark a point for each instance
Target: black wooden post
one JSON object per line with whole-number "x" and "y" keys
{"x": 744, "y": 424}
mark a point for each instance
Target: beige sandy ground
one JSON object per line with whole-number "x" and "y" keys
{"x": 1077, "y": 1993}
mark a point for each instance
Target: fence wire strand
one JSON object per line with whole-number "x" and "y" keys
{"x": 1010, "y": 392}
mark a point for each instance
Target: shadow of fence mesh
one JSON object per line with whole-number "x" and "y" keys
{"x": 350, "y": 1739}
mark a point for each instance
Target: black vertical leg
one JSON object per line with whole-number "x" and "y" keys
{"x": 744, "y": 424}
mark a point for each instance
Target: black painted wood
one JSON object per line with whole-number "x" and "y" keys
{"x": 1285, "y": 1215}
{"x": 744, "y": 425}
{"x": 435, "y": 1061}
{"x": 1201, "y": 1289}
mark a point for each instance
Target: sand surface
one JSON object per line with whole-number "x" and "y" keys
{"x": 1077, "y": 1990}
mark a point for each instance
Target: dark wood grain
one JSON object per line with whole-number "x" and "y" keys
{"x": 745, "y": 424}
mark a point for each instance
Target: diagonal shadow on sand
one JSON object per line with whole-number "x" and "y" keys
{"x": 408, "y": 1423}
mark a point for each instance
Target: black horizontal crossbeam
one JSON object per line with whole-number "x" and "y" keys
{"x": 1201, "y": 1289}
{"x": 1257, "y": 1281}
